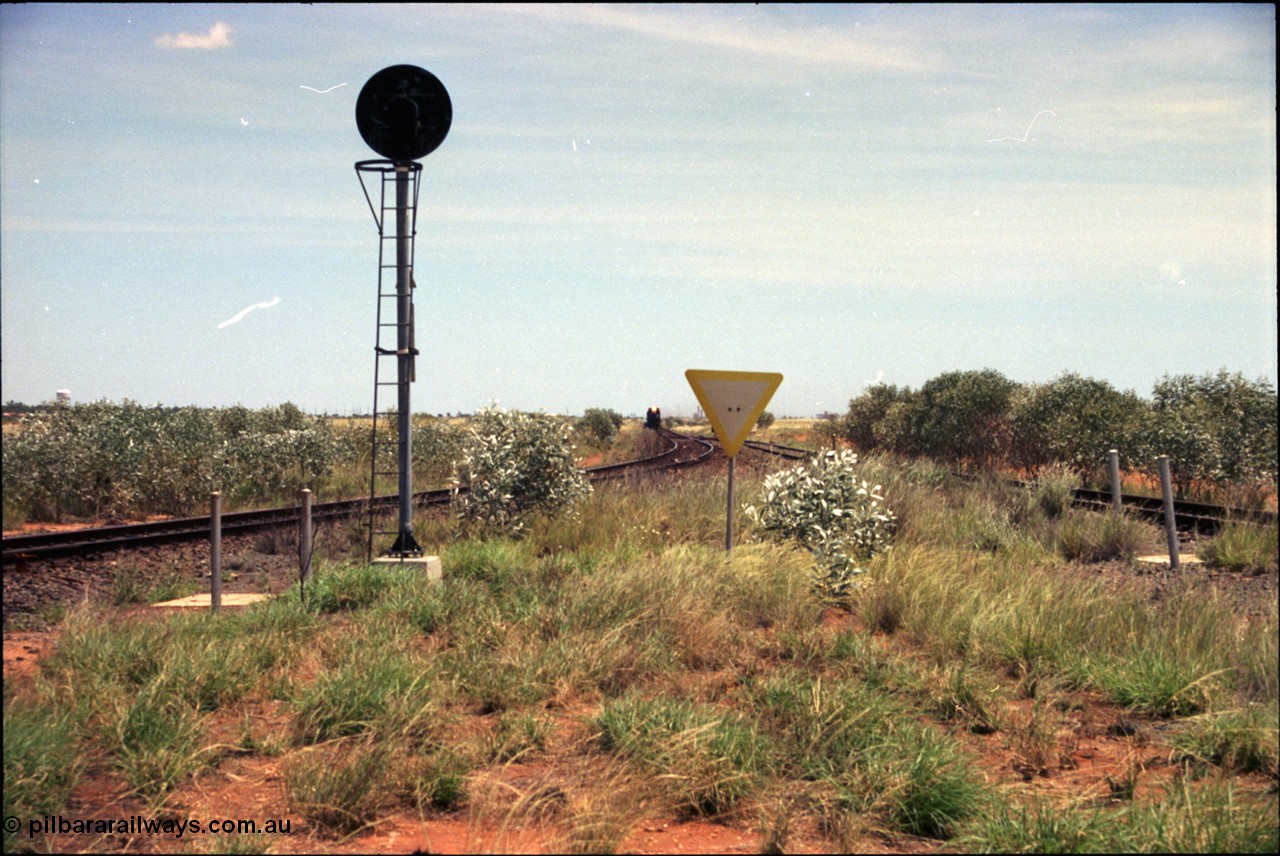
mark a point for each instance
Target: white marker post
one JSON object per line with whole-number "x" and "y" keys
{"x": 732, "y": 401}
{"x": 1113, "y": 466}
{"x": 215, "y": 551}
{"x": 1170, "y": 522}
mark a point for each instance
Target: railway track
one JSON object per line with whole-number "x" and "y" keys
{"x": 1198, "y": 516}
{"x": 680, "y": 452}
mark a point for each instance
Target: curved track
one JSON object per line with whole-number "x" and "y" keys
{"x": 681, "y": 451}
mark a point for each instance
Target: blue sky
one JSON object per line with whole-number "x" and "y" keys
{"x": 839, "y": 193}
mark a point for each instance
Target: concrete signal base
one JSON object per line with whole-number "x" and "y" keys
{"x": 429, "y": 565}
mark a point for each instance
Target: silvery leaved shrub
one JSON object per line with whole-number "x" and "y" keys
{"x": 514, "y": 464}
{"x": 825, "y": 507}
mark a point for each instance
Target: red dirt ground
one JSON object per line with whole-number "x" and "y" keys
{"x": 1095, "y": 744}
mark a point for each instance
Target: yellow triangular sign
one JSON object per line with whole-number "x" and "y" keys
{"x": 733, "y": 401}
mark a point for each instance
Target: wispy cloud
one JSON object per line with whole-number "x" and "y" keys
{"x": 814, "y": 44}
{"x": 235, "y": 319}
{"x": 219, "y": 36}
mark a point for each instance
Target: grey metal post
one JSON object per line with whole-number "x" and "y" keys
{"x": 304, "y": 539}
{"x": 215, "y": 550}
{"x": 404, "y": 318}
{"x": 1170, "y": 525}
{"x": 1113, "y": 464}
{"x": 728, "y": 522}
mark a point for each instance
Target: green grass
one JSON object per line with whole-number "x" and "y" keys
{"x": 1090, "y": 536}
{"x": 1242, "y": 547}
{"x": 341, "y": 787}
{"x": 157, "y": 741}
{"x": 707, "y": 759}
{"x": 1245, "y": 740}
{"x": 42, "y": 761}
{"x": 1188, "y": 818}
{"x": 657, "y": 676}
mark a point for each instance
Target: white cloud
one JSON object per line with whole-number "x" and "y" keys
{"x": 219, "y": 36}
{"x": 1172, "y": 271}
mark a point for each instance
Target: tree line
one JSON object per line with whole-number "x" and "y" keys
{"x": 1217, "y": 429}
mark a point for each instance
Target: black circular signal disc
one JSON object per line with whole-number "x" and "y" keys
{"x": 404, "y": 113}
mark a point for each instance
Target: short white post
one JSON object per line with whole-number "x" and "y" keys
{"x": 215, "y": 550}
{"x": 1113, "y": 464}
{"x": 1170, "y": 524}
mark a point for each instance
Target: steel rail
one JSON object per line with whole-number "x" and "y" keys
{"x": 791, "y": 453}
{"x": 48, "y": 545}
{"x": 102, "y": 539}
{"x": 1188, "y": 515}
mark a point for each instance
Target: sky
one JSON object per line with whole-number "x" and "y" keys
{"x": 845, "y": 194}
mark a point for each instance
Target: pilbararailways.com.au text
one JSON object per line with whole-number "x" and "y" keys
{"x": 139, "y": 825}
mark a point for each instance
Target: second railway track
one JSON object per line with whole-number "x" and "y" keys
{"x": 681, "y": 451}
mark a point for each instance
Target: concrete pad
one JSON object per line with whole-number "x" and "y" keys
{"x": 430, "y": 565}
{"x": 1163, "y": 559}
{"x": 204, "y": 601}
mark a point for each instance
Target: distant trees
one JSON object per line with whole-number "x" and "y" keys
{"x": 1218, "y": 427}
{"x": 1073, "y": 420}
{"x": 1215, "y": 427}
{"x": 958, "y": 417}
{"x": 600, "y": 425}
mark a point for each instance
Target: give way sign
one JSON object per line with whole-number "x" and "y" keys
{"x": 733, "y": 401}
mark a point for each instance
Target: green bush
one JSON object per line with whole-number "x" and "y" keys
{"x": 1214, "y": 428}
{"x": 1073, "y": 421}
{"x": 600, "y": 425}
{"x": 825, "y": 507}
{"x": 513, "y": 465}
{"x": 867, "y": 411}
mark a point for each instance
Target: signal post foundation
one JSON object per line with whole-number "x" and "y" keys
{"x": 429, "y": 565}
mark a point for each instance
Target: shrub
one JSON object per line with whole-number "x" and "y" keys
{"x": 514, "y": 464}
{"x": 867, "y": 411}
{"x": 601, "y": 425}
{"x": 125, "y": 459}
{"x": 1214, "y": 427}
{"x": 1073, "y": 420}
{"x": 825, "y": 507}
{"x": 959, "y": 417}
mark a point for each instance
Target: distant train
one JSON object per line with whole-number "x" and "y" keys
{"x": 653, "y": 419}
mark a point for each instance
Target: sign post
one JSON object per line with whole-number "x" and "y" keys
{"x": 732, "y": 401}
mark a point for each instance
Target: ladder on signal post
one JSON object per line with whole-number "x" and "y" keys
{"x": 387, "y": 449}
